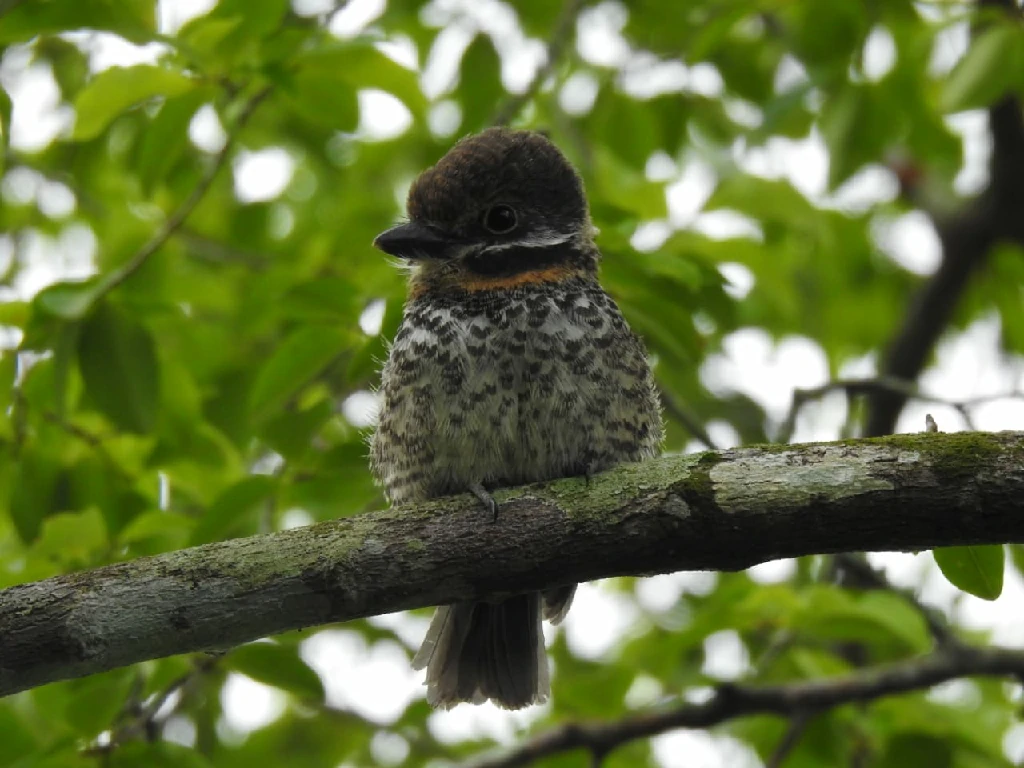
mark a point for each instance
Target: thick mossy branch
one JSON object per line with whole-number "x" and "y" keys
{"x": 720, "y": 511}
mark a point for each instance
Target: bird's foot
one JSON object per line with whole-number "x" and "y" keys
{"x": 490, "y": 505}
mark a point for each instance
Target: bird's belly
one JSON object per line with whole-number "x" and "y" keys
{"x": 524, "y": 415}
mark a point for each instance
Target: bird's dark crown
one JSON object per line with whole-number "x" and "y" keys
{"x": 499, "y": 204}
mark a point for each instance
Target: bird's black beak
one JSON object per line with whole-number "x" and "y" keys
{"x": 414, "y": 241}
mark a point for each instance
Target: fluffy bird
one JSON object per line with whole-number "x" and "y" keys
{"x": 512, "y": 365}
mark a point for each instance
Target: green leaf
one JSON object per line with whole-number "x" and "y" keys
{"x": 133, "y": 19}
{"x": 856, "y": 125}
{"x": 326, "y": 299}
{"x": 69, "y": 300}
{"x": 627, "y": 188}
{"x": 360, "y": 65}
{"x": 978, "y": 569}
{"x": 324, "y": 98}
{"x": 301, "y": 357}
{"x": 93, "y": 703}
{"x": 992, "y": 65}
{"x": 5, "y": 126}
{"x": 278, "y": 666}
{"x": 166, "y": 136}
{"x": 33, "y": 493}
{"x": 117, "y": 358}
{"x": 233, "y": 507}
{"x": 116, "y": 89}
{"x": 73, "y": 539}
{"x": 480, "y": 89}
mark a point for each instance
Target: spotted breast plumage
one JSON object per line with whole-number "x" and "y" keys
{"x": 512, "y": 365}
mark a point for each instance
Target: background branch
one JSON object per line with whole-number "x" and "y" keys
{"x": 967, "y": 240}
{"x": 791, "y": 699}
{"x": 720, "y": 511}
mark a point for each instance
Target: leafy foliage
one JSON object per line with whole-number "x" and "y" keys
{"x": 189, "y": 390}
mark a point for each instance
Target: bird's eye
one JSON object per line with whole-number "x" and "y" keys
{"x": 500, "y": 219}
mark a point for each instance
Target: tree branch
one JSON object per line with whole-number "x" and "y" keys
{"x": 176, "y": 219}
{"x": 720, "y": 511}
{"x": 790, "y": 699}
{"x": 967, "y": 240}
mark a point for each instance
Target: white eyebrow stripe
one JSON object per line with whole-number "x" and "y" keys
{"x": 537, "y": 240}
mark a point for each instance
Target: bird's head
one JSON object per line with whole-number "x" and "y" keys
{"x": 501, "y": 206}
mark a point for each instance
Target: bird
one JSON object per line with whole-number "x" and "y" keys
{"x": 511, "y": 365}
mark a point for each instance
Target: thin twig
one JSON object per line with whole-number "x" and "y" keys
{"x": 687, "y": 418}
{"x": 176, "y": 219}
{"x": 143, "y": 719}
{"x": 797, "y": 726}
{"x": 791, "y": 699}
{"x": 556, "y": 47}
{"x": 872, "y": 386}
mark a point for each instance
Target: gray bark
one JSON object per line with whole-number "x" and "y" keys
{"x": 720, "y": 511}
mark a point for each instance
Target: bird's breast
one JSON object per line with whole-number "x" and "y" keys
{"x": 508, "y": 387}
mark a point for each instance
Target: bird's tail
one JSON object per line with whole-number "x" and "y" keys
{"x": 479, "y": 651}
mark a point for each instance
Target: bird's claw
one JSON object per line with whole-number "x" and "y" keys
{"x": 490, "y": 505}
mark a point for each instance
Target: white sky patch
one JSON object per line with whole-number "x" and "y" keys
{"x": 599, "y": 619}
{"x": 314, "y": 7}
{"x": 871, "y": 185}
{"x": 700, "y": 749}
{"x": 724, "y": 224}
{"x": 973, "y": 128}
{"x": 377, "y": 683}
{"x": 106, "y": 50}
{"x": 773, "y": 572}
{"x": 740, "y": 280}
{"x": 725, "y": 656}
{"x": 262, "y": 175}
{"x": 55, "y": 200}
{"x": 411, "y": 628}
{"x": 249, "y": 705}
{"x": 71, "y": 255}
{"x": 789, "y": 74}
{"x": 658, "y": 594}
{"x": 519, "y": 66}
{"x": 441, "y": 70}
{"x": 879, "y": 54}
{"x": 402, "y": 50}
{"x": 172, "y": 15}
{"x": 354, "y": 17}
{"x": 803, "y": 162}
{"x": 295, "y": 518}
{"x": 910, "y": 240}
{"x": 361, "y": 408}
{"x": 371, "y": 318}
{"x": 483, "y": 721}
{"x": 744, "y": 113}
{"x": 444, "y": 118}
{"x": 723, "y": 433}
{"x": 388, "y": 748}
{"x": 949, "y": 46}
{"x": 578, "y": 93}
{"x": 599, "y": 35}
{"x": 1013, "y": 744}
{"x": 660, "y": 167}
{"x": 38, "y": 116}
{"x": 382, "y": 116}
{"x": 206, "y": 131}
{"x": 749, "y": 363}
{"x": 688, "y": 195}
{"x": 650, "y": 235}
{"x": 180, "y": 730}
